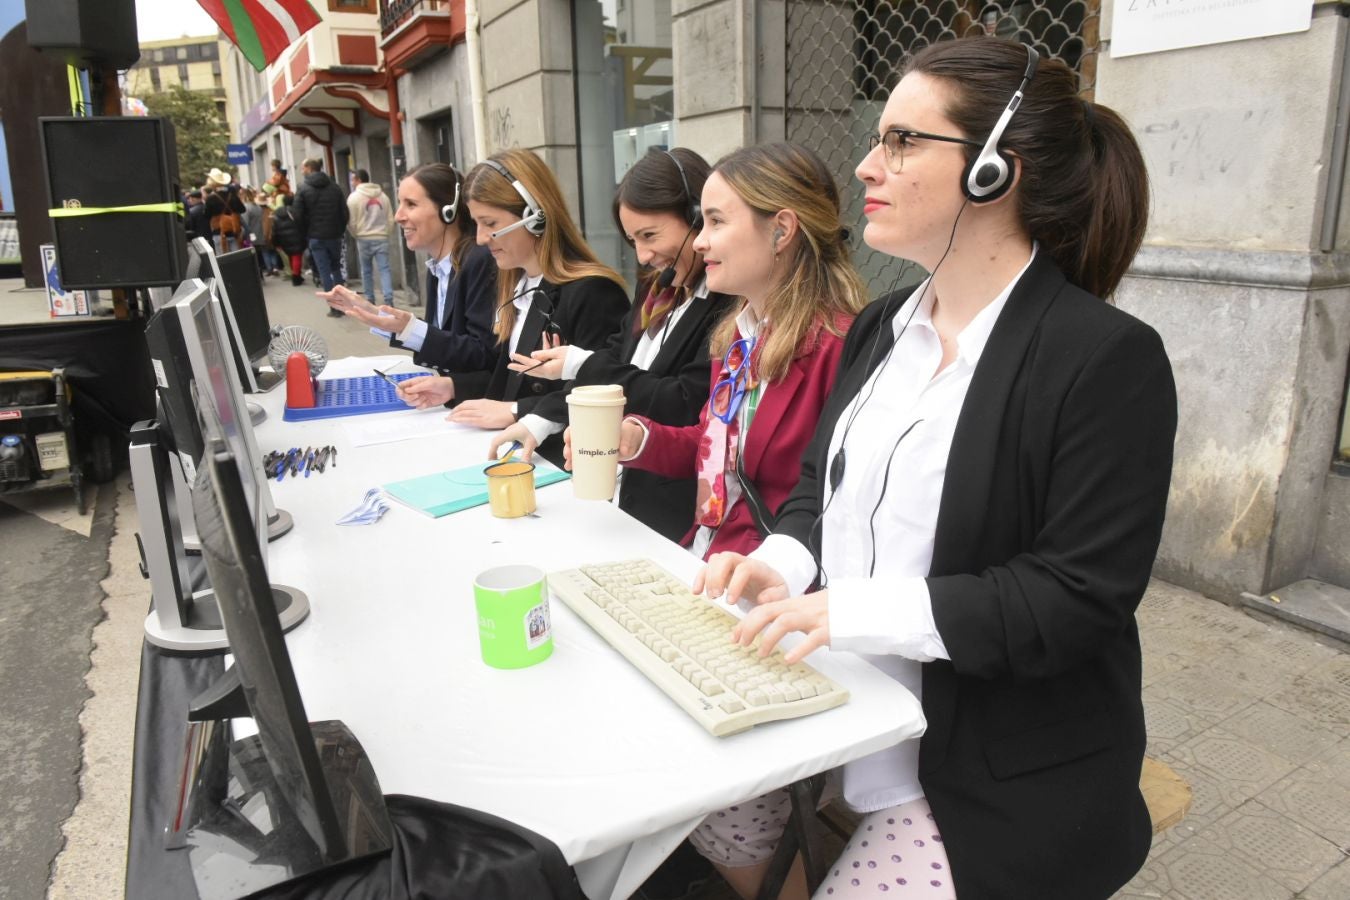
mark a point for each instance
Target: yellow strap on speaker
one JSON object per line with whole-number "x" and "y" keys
{"x": 66, "y": 213}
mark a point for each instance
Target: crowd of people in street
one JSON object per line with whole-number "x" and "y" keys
{"x": 301, "y": 230}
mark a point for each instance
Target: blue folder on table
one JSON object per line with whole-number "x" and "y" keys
{"x": 442, "y": 493}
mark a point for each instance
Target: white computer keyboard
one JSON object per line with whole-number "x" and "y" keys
{"x": 682, "y": 643}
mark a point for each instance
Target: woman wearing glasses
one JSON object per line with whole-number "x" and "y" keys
{"x": 551, "y": 290}
{"x": 660, "y": 354}
{"x": 771, "y": 236}
{"x": 984, "y": 497}
{"x": 456, "y": 332}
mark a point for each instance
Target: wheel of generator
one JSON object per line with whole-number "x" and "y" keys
{"x": 101, "y": 466}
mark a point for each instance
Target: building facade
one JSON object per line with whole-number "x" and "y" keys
{"x": 196, "y": 63}
{"x": 1244, "y": 271}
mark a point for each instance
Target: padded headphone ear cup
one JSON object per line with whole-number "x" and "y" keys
{"x": 537, "y": 226}
{"x": 993, "y": 179}
{"x": 448, "y": 213}
{"x": 696, "y": 216}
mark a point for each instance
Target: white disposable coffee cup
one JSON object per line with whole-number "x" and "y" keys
{"x": 596, "y": 415}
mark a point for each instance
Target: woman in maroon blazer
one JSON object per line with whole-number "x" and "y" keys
{"x": 772, "y": 237}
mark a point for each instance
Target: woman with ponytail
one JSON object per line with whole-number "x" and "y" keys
{"x": 551, "y": 290}
{"x": 660, "y": 353}
{"x": 455, "y": 334}
{"x": 983, "y": 499}
{"x": 771, "y": 237}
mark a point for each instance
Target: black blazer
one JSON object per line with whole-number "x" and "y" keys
{"x": 586, "y": 312}
{"x": 671, "y": 391}
{"x": 1050, "y": 518}
{"x": 463, "y": 340}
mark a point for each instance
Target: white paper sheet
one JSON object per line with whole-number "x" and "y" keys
{"x": 386, "y": 428}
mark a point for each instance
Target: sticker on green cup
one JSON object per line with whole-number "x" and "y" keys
{"x": 514, "y": 626}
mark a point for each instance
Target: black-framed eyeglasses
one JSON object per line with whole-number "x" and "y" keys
{"x": 895, "y": 140}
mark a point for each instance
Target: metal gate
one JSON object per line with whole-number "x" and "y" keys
{"x": 843, "y": 56}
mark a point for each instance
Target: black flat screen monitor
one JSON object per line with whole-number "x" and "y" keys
{"x": 204, "y": 264}
{"x": 234, "y": 560}
{"x": 216, "y": 380}
{"x": 242, "y": 286}
{"x": 173, "y": 380}
{"x": 199, "y": 258}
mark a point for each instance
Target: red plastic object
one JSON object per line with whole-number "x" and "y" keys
{"x": 299, "y": 384}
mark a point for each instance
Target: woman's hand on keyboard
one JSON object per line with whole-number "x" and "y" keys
{"x": 739, "y": 576}
{"x": 809, "y": 615}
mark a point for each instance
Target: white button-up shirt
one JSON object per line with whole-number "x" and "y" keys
{"x": 877, "y": 528}
{"x": 414, "y": 334}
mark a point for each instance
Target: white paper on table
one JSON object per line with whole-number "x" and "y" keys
{"x": 361, "y": 366}
{"x": 363, "y": 431}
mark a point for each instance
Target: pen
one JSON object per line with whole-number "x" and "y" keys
{"x": 510, "y": 450}
{"x": 389, "y": 378}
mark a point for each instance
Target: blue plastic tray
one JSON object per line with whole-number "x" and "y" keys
{"x": 351, "y": 397}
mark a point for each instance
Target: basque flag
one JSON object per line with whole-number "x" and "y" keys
{"x": 262, "y": 29}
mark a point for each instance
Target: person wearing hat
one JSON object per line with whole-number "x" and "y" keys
{"x": 223, "y": 207}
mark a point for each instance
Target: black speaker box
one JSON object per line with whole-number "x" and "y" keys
{"x": 101, "y": 163}
{"x": 85, "y": 32}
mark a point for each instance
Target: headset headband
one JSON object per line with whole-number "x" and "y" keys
{"x": 533, "y": 219}
{"x": 989, "y": 175}
{"x": 693, "y": 210}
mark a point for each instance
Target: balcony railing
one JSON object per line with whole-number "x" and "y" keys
{"x": 394, "y": 13}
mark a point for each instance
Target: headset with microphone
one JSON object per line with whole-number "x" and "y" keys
{"x": 533, "y": 219}
{"x": 693, "y": 214}
{"x": 989, "y": 175}
{"x": 451, "y": 210}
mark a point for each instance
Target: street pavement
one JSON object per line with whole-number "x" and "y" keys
{"x": 1253, "y": 714}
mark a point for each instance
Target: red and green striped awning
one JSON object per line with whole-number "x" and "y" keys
{"x": 262, "y": 29}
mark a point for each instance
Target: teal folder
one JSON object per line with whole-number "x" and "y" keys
{"x": 442, "y": 493}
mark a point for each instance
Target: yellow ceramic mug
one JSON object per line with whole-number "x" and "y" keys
{"x": 510, "y": 488}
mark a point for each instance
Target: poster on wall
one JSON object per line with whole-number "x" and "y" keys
{"x": 1150, "y": 26}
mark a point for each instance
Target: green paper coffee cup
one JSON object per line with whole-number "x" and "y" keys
{"x": 514, "y": 626}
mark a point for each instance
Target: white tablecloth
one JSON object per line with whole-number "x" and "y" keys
{"x": 580, "y": 748}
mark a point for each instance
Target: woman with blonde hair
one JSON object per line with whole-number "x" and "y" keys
{"x": 551, "y": 290}
{"x": 771, "y": 237}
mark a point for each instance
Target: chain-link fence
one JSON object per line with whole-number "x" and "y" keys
{"x": 843, "y": 57}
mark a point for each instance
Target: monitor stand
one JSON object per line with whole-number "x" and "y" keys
{"x": 266, "y": 379}
{"x": 234, "y": 817}
{"x": 279, "y": 521}
{"x": 183, "y": 619}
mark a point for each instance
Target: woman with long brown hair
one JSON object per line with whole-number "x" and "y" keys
{"x": 984, "y": 497}
{"x": 455, "y": 334}
{"x": 771, "y": 237}
{"x": 551, "y": 290}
